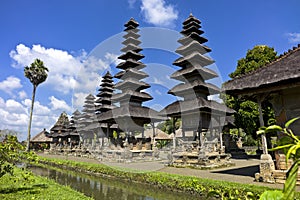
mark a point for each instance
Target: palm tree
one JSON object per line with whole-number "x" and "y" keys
{"x": 36, "y": 73}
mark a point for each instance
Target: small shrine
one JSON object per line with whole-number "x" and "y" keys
{"x": 60, "y": 131}
{"x": 200, "y": 115}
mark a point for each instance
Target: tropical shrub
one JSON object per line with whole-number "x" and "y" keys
{"x": 290, "y": 146}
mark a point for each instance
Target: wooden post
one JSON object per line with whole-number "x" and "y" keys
{"x": 261, "y": 123}
{"x": 174, "y": 132}
{"x": 220, "y": 132}
{"x": 153, "y": 129}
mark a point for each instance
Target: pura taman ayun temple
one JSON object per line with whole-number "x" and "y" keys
{"x": 119, "y": 107}
{"x": 279, "y": 82}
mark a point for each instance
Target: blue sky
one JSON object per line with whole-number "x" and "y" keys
{"x": 80, "y": 40}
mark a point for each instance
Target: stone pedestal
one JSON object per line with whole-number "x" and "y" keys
{"x": 266, "y": 168}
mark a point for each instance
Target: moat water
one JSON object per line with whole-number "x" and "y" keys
{"x": 104, "y": 188}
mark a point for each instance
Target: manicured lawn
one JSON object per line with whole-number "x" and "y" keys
{"x": 35, "y": 187}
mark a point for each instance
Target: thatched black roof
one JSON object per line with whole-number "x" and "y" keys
{"x": 194, "y": 105}
{"x": 193, "y": 58}
{"x": 196, "y": 86}
{"x": 183, "y": 74}
{"x": 191, "y": 47}
{"x": 133, "y": 95}
{"x": 281, "y": 73}
{"x": 132, "y": 83}
{"x": 131, "y": 73}
{"x": 131, "y": 111}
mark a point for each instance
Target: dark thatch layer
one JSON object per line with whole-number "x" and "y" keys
{"x": 184, "y": 73}
{"x": 187, "y": 106}
{"x": 131, "y": 73}
{"x": 131, "y": 111}
{"x": 142, "y": 96}
{"x": 283, "y": 72}
{"x": 194, "y": 86}
{"x": 192, "y": 59}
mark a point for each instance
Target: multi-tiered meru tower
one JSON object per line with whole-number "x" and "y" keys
{"x": 197, "y": 112}
{"x": 131, "y": 115}
{"x": 103, "y": 102}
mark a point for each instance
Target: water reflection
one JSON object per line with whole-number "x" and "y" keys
{"x": 108, "y": 188}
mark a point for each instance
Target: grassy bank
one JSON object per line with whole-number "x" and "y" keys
{"x": 194, "y": 185}
{"x": 31, "y": 187}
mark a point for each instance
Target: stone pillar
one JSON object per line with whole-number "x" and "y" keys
{"x": 266, "y": 166}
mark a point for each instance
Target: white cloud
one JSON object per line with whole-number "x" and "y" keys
{"x": 10, "y": 84}
{"x": 15, "y": 116}
{"x": 156, "y": 12}
{"x": 78, "y": 99}
{"x": 38, "y": 108}
{"x": 57, "y": 104}
{"x": 22, "y": 94}
{"x": 293, "y": 37}
{"x": 112, "y": 58}
{"x": 67, "y": 73}
{"x": 131, "y": 3}
{"x": 14, "y": 106}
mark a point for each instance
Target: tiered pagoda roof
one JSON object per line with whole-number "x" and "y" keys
{"x": 88, "y": 120}
{"x": 61, "y": 127}
{"x": 74, "y": 123}
{"x": 130, "y": 78}
{"x": 193, "y": 74}
{"x": 105, "y": 93}
{"x": 131, "y": 115}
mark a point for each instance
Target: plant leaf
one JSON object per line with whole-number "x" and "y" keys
{"x": 280, "y": 147}
{"x": 259, "y": 132}
{"x": 291, "y": 121}
{"x": 290, "y": 183}
{"x": 273, "y": 128}
{"x": 271, "y": 195}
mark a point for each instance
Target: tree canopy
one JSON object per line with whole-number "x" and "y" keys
{"x": 36, "y": 72}
{"x": 247, "y": 115}
{"x": 255, "y": 58}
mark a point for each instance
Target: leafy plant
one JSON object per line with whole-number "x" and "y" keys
{"x": 12, "y": 153}
{"x": 290, "y": 145}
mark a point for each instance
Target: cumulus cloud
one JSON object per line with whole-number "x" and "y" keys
{"x": 22, "y": 94}
{"x": 68, "y": 74}
{"x": 10, "y": 84}
{"x": 57, "y": 104}
{"x": 15, "y": 116}
{"x": 293, "y": 37}
{"x": 38, "y": 108}
{"x": 158, "y": 13}
{"x": 78, "y": 99}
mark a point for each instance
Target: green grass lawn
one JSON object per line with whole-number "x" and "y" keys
{"x": 187, "y": 184}
{"x": 35, "y": 187}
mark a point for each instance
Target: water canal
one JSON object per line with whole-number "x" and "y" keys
{"x": 108, "y": 188}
